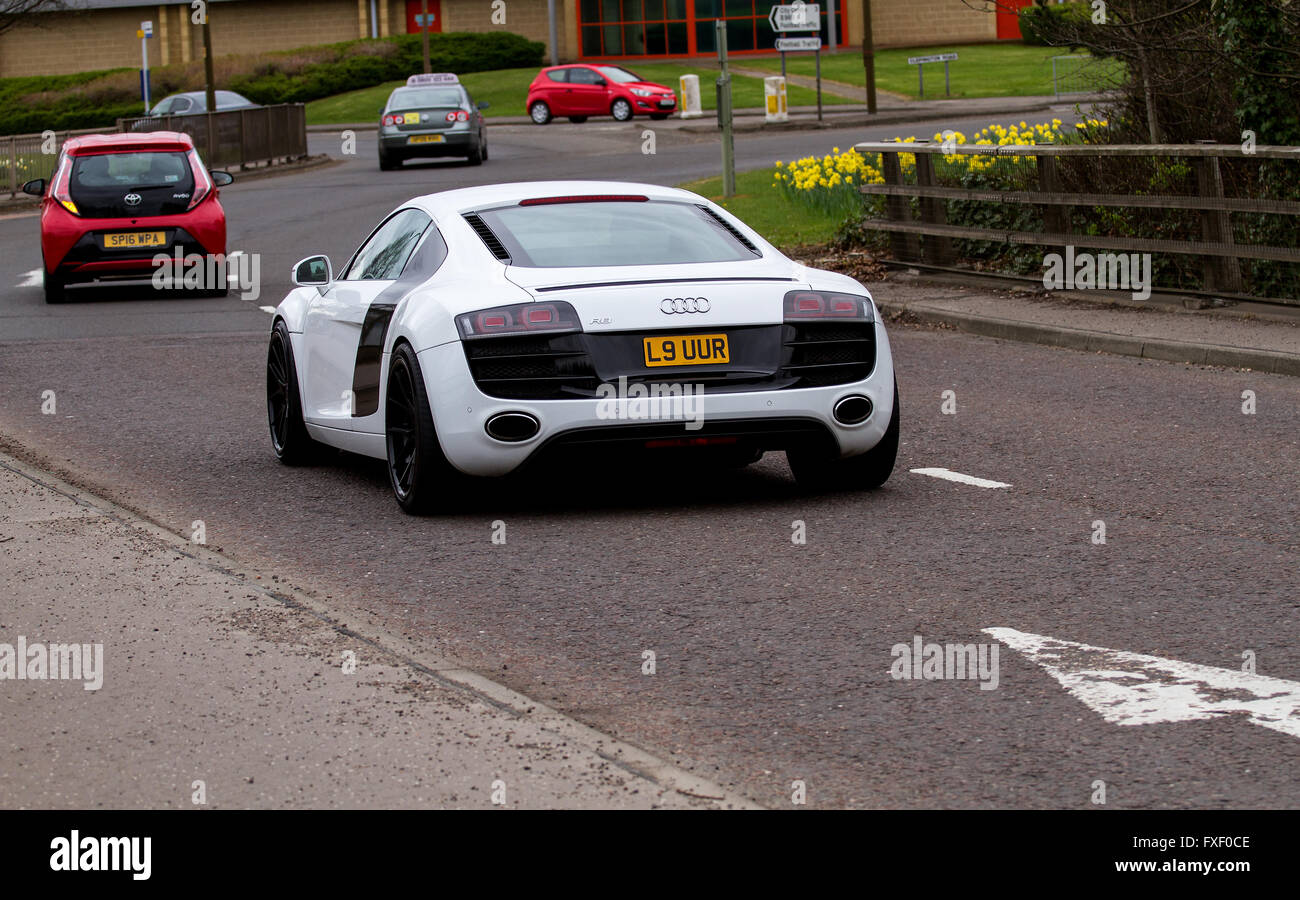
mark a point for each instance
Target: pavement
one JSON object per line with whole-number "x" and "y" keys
{"x": 1265, "y": 342}
{"x": 280, "y": 696}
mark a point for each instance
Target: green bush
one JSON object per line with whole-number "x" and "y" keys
{"x": 97, "y": 99}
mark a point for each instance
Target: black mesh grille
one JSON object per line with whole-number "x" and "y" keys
{"x": 532, "y": 368}
{"x": 824, "y": 353}
{"x": 485, "y": 234}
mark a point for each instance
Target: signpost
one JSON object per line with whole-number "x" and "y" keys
{"x": 724, "y": 113}
{"x": 920, "y": 61}
{"x": 144, "y": 32}
{"x": 800, "y": 16}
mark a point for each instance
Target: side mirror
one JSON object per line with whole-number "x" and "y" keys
{"x": 221, "y": 179}
{"x": 35, "y": 187}
{"x": 483, "y": 104}
{"x": 314, "y": 271}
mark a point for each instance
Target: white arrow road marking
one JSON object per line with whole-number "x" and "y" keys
{"x": 1134, "y": 689}
{"x": 31, "y": 279}
{"x": 949, "y": 475}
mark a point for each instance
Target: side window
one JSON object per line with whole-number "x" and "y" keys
{"x": 584, "y": 76}
{"x": 180, "y": 105}
{"x": 560, "y": 75}
{"x": 382, "y": 257}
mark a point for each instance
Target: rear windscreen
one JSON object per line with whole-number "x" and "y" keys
{"x": 132, "y": 170}
{"x": 613, "y": 233}
{"x": 148, "y": 183}
{"x": 423, "y": 98}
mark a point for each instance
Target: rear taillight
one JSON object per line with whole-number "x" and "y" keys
{"x": 826, "y": 305}
{"x": 202, "y": 183}
{"x": 390, "y": 120}
{"x": 462, "y": 116}
{"x": 60, "y": 189}
{"x": 519, "y": 318}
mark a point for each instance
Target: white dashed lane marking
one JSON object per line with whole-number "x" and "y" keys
{"x": 949, "y": 475}
{"x": 31, "y": 279}
{"x": 270, "y": 310}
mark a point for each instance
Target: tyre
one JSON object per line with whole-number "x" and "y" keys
{"x": 423, "y": 480}
{"x": 540, "y": 113}
{"x": 815, "y": 470}
{"x": 289, "y": 437}
{"x": 477, "y": 156}
{"x": 54, "y": 288}
{"x": 387, "y": 162}
{"x": 621, "y": 110}
{"x": 483, "y": 142}
{"x": 577, "y": 120}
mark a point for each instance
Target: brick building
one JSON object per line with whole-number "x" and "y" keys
{"x": 101, "y": 34}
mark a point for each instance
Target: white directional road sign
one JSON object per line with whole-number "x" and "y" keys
{"x": 796, "y": 17}
{"x": 1135, "y": 689}
{"x": 938, "y": 57}
{"x": 791, "y": 45}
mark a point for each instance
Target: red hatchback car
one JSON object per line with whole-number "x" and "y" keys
{"x": 581, "y": 91}
{"x": 117, "y": 200}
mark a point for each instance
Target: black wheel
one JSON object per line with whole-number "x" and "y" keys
{"x": 818, "y": 471}
{"x": 621, "y": 110}
{"x": 54, "y": 288}
{"x": 577, "y": 120}
{"x": 423, "y": 480}
{"x": 289, "y": 436}
{"x": 477, "y": 156}
{"x": 540, "y": 113}
{"x": 658, "y": 117}
{"x": 387, "y": 163}
{"x": 483, "y": 143}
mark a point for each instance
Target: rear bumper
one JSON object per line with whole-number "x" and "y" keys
{"x": 453, "y": 143}
{"x": 762, "y": 419}
{"x": 73, "y": 251}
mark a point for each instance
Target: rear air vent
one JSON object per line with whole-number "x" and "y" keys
{"x": 485, "y": 234}
{"x": 731, "y": 229}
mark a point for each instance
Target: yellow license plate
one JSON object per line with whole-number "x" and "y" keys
{"x": 120, "y": 239}
{"x": 687, "y": 350}
{"x": 424, "y": 139}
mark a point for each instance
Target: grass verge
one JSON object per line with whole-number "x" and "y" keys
{"x": 764, "y": 209}
{"x": 1004, "y": 69}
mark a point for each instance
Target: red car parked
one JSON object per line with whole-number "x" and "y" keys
{"x": 581, "y": 91}
{"x": 117, "y": 200}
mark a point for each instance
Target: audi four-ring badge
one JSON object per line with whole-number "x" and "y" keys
{"x": 482, "y": 330}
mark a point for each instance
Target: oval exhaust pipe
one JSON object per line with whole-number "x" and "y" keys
{"x": 852, "y": 410}
{"x": 512, "y": 427}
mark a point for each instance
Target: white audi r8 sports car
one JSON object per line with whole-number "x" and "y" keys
{"x": 480, "y": 330}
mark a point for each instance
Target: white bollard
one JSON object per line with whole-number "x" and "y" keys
{"x": 774, "y": 94}
{"x": 690, "y": 108}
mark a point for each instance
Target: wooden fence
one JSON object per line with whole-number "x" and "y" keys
{"x": 1221, "y": 254}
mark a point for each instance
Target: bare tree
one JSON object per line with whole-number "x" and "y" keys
{"x": 23, "y": 12}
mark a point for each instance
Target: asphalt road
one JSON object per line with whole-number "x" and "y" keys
{"x": 773, "y": 658}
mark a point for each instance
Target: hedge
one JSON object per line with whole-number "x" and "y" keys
{"x": 96, "y": 99}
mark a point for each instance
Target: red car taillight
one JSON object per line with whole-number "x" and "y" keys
{"x": 519, "y": 318}
{"x": 202, "y": 183}
{"x": 60, "y": 189}
{"x": 826, "y": 305}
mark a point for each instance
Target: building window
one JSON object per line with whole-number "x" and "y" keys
{"x": 613, "y": 28}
